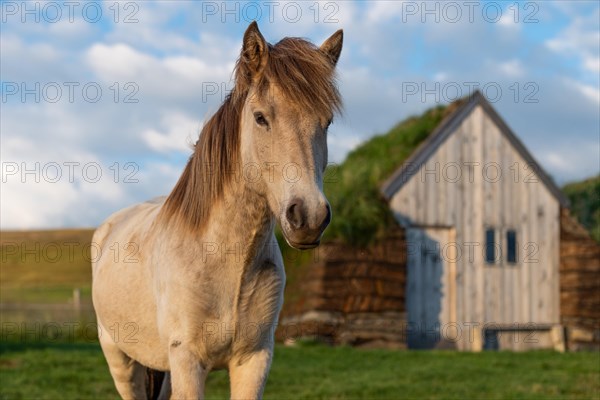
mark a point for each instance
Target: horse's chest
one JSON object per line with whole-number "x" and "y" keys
{"x": 229, "y": 315}
{"x": 256, "y": 307}
{"x": 261, "y": 293}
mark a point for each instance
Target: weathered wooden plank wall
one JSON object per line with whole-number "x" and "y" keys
{"x": 497, "y": 189}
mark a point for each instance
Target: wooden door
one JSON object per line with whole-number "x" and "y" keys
{"x": 430, "y": 289}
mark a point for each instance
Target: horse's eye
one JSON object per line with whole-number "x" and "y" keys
{"x": 260, "y": 119}
{"x": 328, "y": 123}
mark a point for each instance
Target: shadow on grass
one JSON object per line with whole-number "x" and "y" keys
{"x": 14, "y": 346}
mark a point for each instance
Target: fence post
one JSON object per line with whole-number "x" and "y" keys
{"x": 77, "y": 299}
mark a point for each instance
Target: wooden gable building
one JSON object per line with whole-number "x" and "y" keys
{"x": 476, "y": 261}
{"x": 483, "y": 231}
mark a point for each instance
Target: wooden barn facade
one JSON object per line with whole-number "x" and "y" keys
{"x": 476, "y": 261}
{"x": 483, "y": 234}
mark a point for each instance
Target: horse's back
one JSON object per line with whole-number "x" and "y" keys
{"x": 121, "y": 240}
{"x": 134, "y": 217}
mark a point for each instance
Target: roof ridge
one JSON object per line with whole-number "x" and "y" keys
{"x": 444, "y": 129}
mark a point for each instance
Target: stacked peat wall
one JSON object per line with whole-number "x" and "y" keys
{"x": 352, "y": 296}
{"x": 579, "y": 285}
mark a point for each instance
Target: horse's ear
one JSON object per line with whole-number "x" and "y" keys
{"x": 333, "y": 46}
{"x": 255, "y": 50}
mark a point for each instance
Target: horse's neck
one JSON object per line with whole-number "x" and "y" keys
{"x": 244, "y": 220}
{"x": 238, "y": 229}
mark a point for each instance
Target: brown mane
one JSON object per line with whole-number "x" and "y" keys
{"x": 294, "y": 64}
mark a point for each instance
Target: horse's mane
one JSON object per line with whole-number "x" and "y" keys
{"x": 307, "y": 78}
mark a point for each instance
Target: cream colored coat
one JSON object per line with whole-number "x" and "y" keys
{"x": 187, "y": 299}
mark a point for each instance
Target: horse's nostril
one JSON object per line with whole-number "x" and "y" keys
{"x": 295, "y": 214}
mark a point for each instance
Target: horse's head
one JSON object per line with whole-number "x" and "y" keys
{"x": 291, "y": 100}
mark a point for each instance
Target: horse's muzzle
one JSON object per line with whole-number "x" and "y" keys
{"x": 301, "y": 229}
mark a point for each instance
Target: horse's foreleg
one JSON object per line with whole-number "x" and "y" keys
{"x": 248, "y": 375}
{"x": 129, "y": 376}
{"x": 187, "y": 373}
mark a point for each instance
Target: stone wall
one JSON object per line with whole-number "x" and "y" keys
{"x": 579, "y": 285}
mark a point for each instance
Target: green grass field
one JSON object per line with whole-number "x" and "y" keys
{"x": 61, "y": 369}
{"x": 78, "y": 371}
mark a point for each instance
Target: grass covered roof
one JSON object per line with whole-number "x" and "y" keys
{"x": 360, "y": 213}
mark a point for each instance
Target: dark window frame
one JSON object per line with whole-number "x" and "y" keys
{"x": 490, "y": 246}
{"x": 511, "y": 246}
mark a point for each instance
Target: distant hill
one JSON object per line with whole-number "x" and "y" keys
{"x": 585, "y": 203}
{"x": 44, "y": 266}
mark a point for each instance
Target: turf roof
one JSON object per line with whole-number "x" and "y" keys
{"x": 360, "y": 213}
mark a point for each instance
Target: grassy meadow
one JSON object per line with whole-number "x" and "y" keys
{"x": 54, "y": 364}
{"x": 311, "y": 371}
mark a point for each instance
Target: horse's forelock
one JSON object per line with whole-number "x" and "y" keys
{"x": 303, "y": 72}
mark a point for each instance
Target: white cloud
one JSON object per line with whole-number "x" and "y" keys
{"x": 175, "y": 77}
{"x": 26, "y": 206}
{"x": 171, "y": 54}
{"x": 512, "y": 68}
{"x": 14, "y": 53}
{"x": 384, "y": 10}
{"x": 508, "y": 19}
{"x": 440, "y": 76}
{"x": 591, "y": 63}
{"x": 557, "y": 161}
{"x": 70, "y": 31}
{"x": 573, "y": 162}
{"x": 181, "y": 133}
{"x": 340, "y": 142}
{"x": 117, "y": 62}
{"x": 592, "y": 93}
{"x": 580, "y": 39}
{"x": 44, "y": 190}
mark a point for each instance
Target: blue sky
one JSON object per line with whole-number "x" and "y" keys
{"x": 162, "y": 67}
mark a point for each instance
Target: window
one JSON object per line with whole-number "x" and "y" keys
{"x": 490, "y": 247}
{"x": 511, "y": 244}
